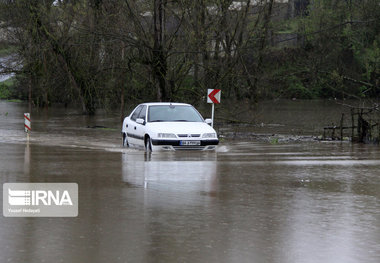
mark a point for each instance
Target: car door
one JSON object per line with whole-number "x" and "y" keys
{"x": 140, "y": 127}
{"x": 133, "y": 138}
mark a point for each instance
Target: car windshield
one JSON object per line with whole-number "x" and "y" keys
{"x": 173, "y": 113}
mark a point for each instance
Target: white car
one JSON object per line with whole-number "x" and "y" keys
{"x": 168, "y": 126}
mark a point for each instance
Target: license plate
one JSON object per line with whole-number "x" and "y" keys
{"x": 190, "y": 143}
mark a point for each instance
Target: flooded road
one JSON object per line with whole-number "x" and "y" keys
{"x": 248, "y": 202}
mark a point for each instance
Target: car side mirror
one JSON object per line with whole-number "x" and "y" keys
{"x": 140, "y": 121}
{"x": 208, "y": 121}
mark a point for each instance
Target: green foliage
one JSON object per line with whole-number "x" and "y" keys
{"x": 274, "y": 141}
{"x": 4, "y": 91}
{"x": 288, "y": 27}
{"x": 106, "y": 53}
{"x": 370, "y": 59}
{"x": 297, "y": 90}
{"x": 342, "y": 55}
{"x": 6, "y": 50}
{"x": 6, "y": 88}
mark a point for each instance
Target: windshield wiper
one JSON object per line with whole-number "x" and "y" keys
{"x": 181, "y": 120}
{"x": 157, "y": 121}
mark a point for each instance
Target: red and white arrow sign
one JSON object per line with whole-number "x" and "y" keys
{"x": 213, "y": 96}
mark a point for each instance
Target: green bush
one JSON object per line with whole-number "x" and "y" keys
{"x": 297, "y": 90}
{"x": 6, "y": 88}
{"x": 4, "y": 91}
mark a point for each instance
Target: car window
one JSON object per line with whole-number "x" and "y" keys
{"x": 173, "y": 113}
{"x": 136, "y": 113}
{"x": 142, "y": 114}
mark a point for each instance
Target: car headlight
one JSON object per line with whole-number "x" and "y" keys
{"x": 209, "y": 135}
{"x": 166, "y": 135}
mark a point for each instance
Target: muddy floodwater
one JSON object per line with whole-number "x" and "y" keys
{"x": 250, "y": 201}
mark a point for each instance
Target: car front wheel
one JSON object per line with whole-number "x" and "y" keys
{"x": 148, "y": 144}
{"x": 125, "y": 140}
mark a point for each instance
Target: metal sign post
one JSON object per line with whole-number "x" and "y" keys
{"x": 212, "y": 115}
{"x": 213, "y": 96}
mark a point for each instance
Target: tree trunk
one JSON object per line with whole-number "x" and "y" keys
{"x": 30, "y": 94}
{"x": 122, "y": 104}
{"x": 263, "y": 36}
{"x": 159, "y": 59}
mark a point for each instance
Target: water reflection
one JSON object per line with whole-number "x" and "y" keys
{"x": 176, "y": 173}
{"x": 27, "y": 159}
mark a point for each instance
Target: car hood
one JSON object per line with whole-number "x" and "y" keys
{"x": 180, "y": 127}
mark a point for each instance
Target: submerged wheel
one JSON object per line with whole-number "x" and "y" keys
{"x": 125, "y": 140}
{"x": 148, "y": 144}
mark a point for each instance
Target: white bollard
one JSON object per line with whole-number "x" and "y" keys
{"x": 27, "y": 125}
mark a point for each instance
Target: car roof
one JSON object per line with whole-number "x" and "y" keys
{"x": 164, "y": 104}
